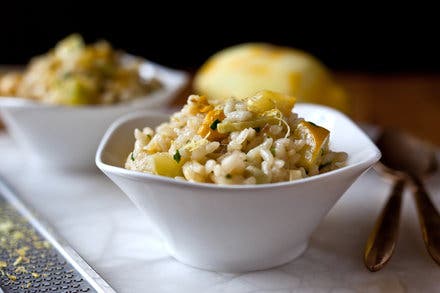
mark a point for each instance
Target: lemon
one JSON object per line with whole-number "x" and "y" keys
{"x": 267, "y": 100}
{"x": 316, "y": 138}
{"x": 242, "y": 70}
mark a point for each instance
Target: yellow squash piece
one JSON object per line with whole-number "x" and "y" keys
{"x": 209, "y": 125}
{"x": 316, "y": 138}
{"x": 266, "y": 100}
{"x": 202, "y": 105}
{"x": 164, "y": 164}
{"x": 74, "y": 90}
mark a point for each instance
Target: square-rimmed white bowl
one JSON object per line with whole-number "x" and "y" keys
{"x": 237, "y": 228}
{"x": 66, "y": 137}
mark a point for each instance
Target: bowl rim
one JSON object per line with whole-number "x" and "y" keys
{"x": 141, "y": 176}
{"x": 164, "y": 94}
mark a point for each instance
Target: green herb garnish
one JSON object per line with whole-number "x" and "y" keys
{"x": 257, "y": 129}
{"x": 131, "y": 156}
{"x": 214, "y": 124}
{"x": 149, "y": 136}
{"x": 228, "y": 176}
{"x": 177, "y": 156}
{"x": 272, "y": 150}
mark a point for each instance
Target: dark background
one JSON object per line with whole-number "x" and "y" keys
{"x": 184, "y": 39}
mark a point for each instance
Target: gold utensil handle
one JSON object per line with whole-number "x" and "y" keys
{"x": 429, "y": 219}
{"x": 382, "y": 239}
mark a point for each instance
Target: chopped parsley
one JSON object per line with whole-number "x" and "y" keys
{"x": 257, "y": 129}
{"x": 228, "y": 176}
{"x": 214, "y": 124}
{"x": 272, "y": 150}
{"x": 131, "y": 156}
{"x": 177, "y": 156}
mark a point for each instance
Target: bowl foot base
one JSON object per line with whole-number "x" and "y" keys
{"x": 241, "y": 267}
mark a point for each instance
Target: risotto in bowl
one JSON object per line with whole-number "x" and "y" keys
{"x": 259, "y": 140}
{"x": 238, "y": 186}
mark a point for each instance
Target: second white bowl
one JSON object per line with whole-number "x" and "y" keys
{"x": 65, "y": 137}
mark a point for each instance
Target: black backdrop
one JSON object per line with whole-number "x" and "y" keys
{"x": 184, "y": 39}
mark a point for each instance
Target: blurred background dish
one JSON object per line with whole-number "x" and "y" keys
{"x": 74, "y": 73}
{"x": 59, "y": 107}
{"x": 65, "y": 138}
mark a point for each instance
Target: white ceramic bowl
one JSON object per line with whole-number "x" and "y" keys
{"x": 237, "y": 228}
{"x": 67, "y": 137}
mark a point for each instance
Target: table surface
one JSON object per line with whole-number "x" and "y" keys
{"x": 96, "y": 218}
